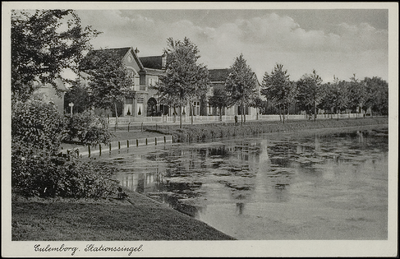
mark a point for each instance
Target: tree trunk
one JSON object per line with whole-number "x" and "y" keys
{"x": 315, "y": 111}
{"x": 174, "y": 113}
{"x": 220, "y": 113}
{"x": 116, "y": 113}
{"x": 191, "y": 112}
{"x": 244, "y": 115}
{"x": 180, "y": 116}
{"x": 241, "y": 115}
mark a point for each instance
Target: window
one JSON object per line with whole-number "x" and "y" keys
{"x": 196, "y": 108}
{"x": 152, "y": 81}
{"x": 140, "y": 100}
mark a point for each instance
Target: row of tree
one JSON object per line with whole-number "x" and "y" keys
{"x": 310, "y": 94}
{"x": 185, "y": 80}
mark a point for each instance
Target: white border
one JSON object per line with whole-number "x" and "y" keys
{"x": 210, "y": 248}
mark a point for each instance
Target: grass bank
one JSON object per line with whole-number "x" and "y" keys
{"x": 136, "y": 218}
{"x": 203, "y": 132}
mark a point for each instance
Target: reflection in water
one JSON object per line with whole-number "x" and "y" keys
{"x": 274, "y": 180}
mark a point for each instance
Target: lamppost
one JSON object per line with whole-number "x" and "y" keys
{"x": 71, "y": 105}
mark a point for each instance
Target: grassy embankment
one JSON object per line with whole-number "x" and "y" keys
{"x": 137, "y": 218}
{"x": 141, "y": 218}
{"x": 198, "y": 133}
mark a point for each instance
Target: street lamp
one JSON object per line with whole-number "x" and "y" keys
{"x": 71, "y": 105}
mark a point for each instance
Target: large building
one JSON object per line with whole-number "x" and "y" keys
{"x": 146, "y": 72}
{"x": 218, "y": 78}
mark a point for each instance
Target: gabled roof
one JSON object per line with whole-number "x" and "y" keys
{"x": 216, "y": 75}
{"x": 122, "y": 52}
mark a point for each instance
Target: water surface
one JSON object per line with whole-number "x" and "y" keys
{"x": 310, "y": 185}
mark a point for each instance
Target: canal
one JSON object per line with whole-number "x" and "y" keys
{"x": 315, "y": 185}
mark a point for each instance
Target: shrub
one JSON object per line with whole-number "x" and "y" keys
{"x": 37, "y": 167}
{"x": 37, "y": 124}
{"x": 88, "y": 129}
{"x": 40, "y": 174}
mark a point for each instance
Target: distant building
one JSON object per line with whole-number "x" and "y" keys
{"x": 146, "y": 72}
{"x": 218, "y": 78}
{"x": 52, "y": 94}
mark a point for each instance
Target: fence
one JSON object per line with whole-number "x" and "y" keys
{"x": 129, "y": 120}
{"x": 118, "y": 145}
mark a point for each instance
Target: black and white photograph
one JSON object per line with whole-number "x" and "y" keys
{"x": 200, "y": 129}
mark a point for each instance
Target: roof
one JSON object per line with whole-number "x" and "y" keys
{"x": 218, "y": 74}
{"x": 154, "y": 62}
{"x": 121, "y": 52}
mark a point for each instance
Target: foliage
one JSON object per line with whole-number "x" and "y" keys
{"x": 37, "y": 124}
{"x": 377, "y": 94}
{"x": 241, "y": 84}
{"x": 219, "y": 100}
{"x": 184, "y": 79}
{"x": 335, "y": 96}
{"x": 108, "y": 79}
{"x": 40, "y": 174}
{"x": 278, "y": 88}
{"x": 357, "y": 94}
{"x": 37, "y": 167}
{"x": 79, "y": 96}
{"x": 42, "y": 48}
{"x": 309, "y": 92}
{"x": 88, "y": 129}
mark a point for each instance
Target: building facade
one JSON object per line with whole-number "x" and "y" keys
{"x": 146, "y": 72}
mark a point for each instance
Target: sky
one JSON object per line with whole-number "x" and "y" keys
{"x": 334, "y": 42}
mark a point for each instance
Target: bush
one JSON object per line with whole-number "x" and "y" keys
{"x": 37, "y": 124}
{"x": 88, "y": 129}
{"x": 40, "y": 174}
{"x": 36, "y": 165}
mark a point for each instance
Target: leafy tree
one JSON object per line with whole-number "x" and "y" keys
{"x": 79, "y": 96}
{"x": 357, "y": 94}
{"x": 241, "y": 85}
{"x": 108, "y": 79}
{"x": 309, "y": 92}
{"x": 335, "y": 96}
{"x": 219, "y": 100}
{"x": 41, "y": 48}
{"x": 377, "y": 94}
{"x": 184, "y": 79}
{"x": 278, "y": 88}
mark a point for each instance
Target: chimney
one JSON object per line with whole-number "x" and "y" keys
{"x": 164, "y": 61}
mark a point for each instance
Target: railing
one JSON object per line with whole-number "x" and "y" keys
{"x": 225, "y": 118}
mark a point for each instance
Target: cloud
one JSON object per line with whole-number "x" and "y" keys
{"x": 264, "y": 40}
